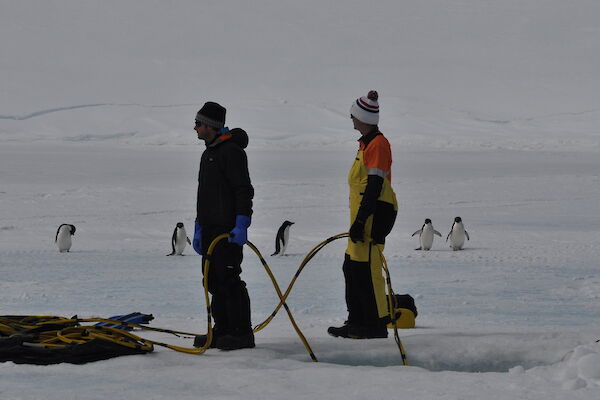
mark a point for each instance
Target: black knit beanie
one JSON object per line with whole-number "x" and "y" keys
{"x": 212, "y": 114}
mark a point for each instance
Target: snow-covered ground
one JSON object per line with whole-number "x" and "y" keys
{"x": 492, "y": 109}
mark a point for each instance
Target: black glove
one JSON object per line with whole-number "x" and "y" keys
{"x": 357, "y": 231}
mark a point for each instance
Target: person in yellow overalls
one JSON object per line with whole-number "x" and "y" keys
{"x": 373, "y": 209}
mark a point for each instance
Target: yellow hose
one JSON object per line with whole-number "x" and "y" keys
{"x": 71, "y": 333}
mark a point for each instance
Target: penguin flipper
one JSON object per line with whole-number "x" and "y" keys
{"x": 437, "y": 233}
{"x": 173, "y": 240}
{"x": 449, "y": 233}
{"x": 467, "y": 235}
{"x": 277, "y": 246}
{"x": 188, "y": 240}
{"x": 56, "y": 238}
{"x": 419, "y": 231}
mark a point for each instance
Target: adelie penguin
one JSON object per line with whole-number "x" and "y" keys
{"x": 63, "y": 237}
{"x": 457, "y": 235}
{"x": 281, "y": 240}
{"x": 179, "y": 240}
{"x": 426, "y": 235}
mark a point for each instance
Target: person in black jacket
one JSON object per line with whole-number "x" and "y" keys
{"x": 224, "y": 205}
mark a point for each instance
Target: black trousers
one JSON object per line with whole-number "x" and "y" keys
{"x": 230, "y": 303}
{"x": 360, "y": 296}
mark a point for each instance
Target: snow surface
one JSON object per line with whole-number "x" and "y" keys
{"x": 492, "y": 109}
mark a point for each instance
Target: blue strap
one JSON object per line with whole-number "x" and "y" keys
{"x": 134, "y": 318}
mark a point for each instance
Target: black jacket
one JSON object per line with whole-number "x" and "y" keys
{"x": 224, "y": 187}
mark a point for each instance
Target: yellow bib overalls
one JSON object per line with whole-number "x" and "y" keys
{"x": 365, "y": 284}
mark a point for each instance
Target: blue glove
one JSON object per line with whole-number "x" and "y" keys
{"x": 197, "y": 242}
{"x": 239, "y": 234}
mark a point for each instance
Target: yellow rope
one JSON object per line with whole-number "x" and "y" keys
{"x": 282, "y": 301}
{"x": 309, "y": 256}
{"x": 71, "y": 333}
{"x": 391, "y": 307}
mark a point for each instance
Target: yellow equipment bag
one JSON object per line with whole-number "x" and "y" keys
{"x": 405, "y": 312}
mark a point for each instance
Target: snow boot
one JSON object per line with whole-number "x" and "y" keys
{"x": 351, "y": 331}
{"x": 235, "y": 342}
{"x": 368, "y": 332}
{"x": 200, "y": 341}
{"x": 341, "y": 331}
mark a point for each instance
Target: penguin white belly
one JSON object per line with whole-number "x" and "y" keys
{"x": 63, "y": 240}
{"x": 286, "y": 235}
{"x": 180, "y": 241}
{"x": 457, "y": 238}
{"x": 426, "y": 238}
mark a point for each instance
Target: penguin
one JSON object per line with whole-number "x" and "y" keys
{"x": 457, "y": 234}
{"x": 179, "y": 239}
{"x": 426, "y": 235}
{"x": 63, "y": 237}
{"x": 281, "y": 240}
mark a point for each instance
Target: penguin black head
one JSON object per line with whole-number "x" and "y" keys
{"x": 180, "y": 225}
{"x": 287, "y": 223}
{"x": 457, "y": 219}
{"x": 427, "y": 221}
{"x": 72, "y": 229}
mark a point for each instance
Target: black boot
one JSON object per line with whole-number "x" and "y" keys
{"x": 368, "y": 332}
{"x": 341, "y": 331}
{"x": 200, "y": 340}
{"x": 236, "y": 341}
{"x": 354, "y": 331}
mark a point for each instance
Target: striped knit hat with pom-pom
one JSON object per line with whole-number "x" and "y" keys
{"x": 366, "y": 108}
